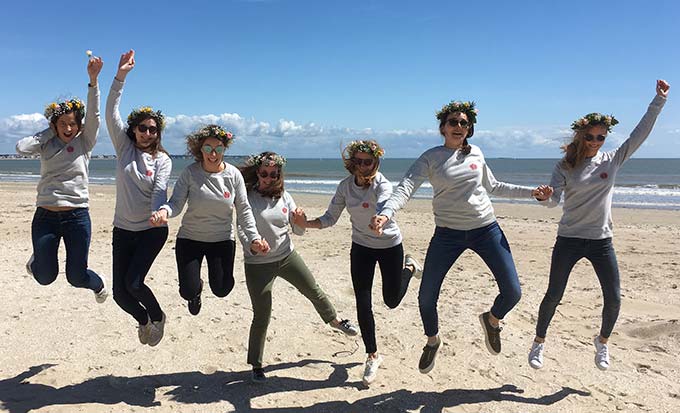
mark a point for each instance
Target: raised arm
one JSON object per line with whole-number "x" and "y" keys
{"x": 644, "y": 127}
{"x": 114, "y": 123}
{"x": 92, "y": 116}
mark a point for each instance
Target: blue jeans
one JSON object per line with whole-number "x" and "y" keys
{"x": 47, "y": 230}
{"x": 446, "y": 246}
{"x": 568, "y": 251}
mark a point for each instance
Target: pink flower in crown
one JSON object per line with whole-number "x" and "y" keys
{"x": 229, "y": 135}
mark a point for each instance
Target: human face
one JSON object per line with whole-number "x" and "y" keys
{"x": 362, "y": 166}
{"x": 67, "y": 127}
{"x": 213, "y": 152}
{"x": 594, "y": 145}
{"x": 268, "y": 176}
{"x": 455, "y": 135}
{"x": 146, "y": 133}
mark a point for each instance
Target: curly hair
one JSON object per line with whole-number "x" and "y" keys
{"x": 370, "y": 147}
{"x": 251, "y": 179}
{"x": 195, "y": 140}
{"x": 55, "y": 110}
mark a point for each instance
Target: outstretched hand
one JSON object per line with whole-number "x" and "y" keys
{"x": 542, "y": 192}
{"x": 662, "y": 88}
{"x": 94, "y": 67}
{"x": 126, "y": 64}
{"x": 299, "y": 217}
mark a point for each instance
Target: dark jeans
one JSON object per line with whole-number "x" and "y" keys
{"x": 568, "y": 251}
{"x": 446, "y": 246}
{"x": 133, "y": 254}
{"x": 395, "y": 280}
{"x": 47, "y": 230}
{"x": 220, "y": 256}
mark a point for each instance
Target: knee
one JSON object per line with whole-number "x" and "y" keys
{"x": 514, "y": 295}
{"x": 45, "y": 278}
{"x": 77, "y": 278}
{"x": 222, "y": 291}
{"x": 392, "y": 302}
{"x": 427, "y": 303}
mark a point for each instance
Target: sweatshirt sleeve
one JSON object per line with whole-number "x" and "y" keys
{"x": 32, "y": 145}
{"x": 180, "y": 194}
{"x": 159, "y": 193}
{"x": 640, "y": 133}
{"x": 290, "y": 203}
{"x": 415, "y": 176}
{"x": 558, "y": 181}
{"x": 335, "y": 208}
{"x": 502, "y": 189}
{"x": 114, "y": 123}
{"x": 246, "y": 226}
{"x": 92, "y": 119}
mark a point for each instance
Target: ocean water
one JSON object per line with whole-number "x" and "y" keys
{"x": 641, "y": 183}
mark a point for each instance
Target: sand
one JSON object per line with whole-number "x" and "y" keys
{"x": 63, "y": 352}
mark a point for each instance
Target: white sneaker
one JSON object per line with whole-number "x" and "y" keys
{"x": 102, "y": 295}
{"x": 371, "y": 369}
{"x": 156, "y": 331}
{"x": 601, "y": 354}
{"x": 28, "y": 265}
{"x": 346, "y": 327}
{"x": 143, "y": 331}
{"x": 536, "y": 355}
{"x": 417, "y": 268}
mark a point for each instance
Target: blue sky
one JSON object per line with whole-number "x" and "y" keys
{"x": 304, "y": 77}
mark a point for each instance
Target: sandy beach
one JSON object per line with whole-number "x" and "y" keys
{"x": 63, "y": 352}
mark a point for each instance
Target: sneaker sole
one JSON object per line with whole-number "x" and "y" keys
{"x": 535, "y": 367}
{"x": 486, "y": 336}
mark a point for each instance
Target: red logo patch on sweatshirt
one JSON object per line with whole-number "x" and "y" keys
{"x": 473, "y": 166}
{"x": 149, "y": 173}
{"x": 227, "y": 194}
{"x": 365, "y": 205}
{"x": 604, "y": 175}
{"x": 69, "y": 149}
{"x": 285, "y": 210}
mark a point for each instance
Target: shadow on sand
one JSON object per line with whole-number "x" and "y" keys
{"x": 20, "y": 396}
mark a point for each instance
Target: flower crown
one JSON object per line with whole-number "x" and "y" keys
{"x": 212, "y": 131}
{"x": 468, "y": 108}
{"x": 370, "y": 147}
{"x": 266, "y": 160}
{"x": 56, "y": 109}
{"x": 146, "y": 111}
{"x": 592, "y": 119}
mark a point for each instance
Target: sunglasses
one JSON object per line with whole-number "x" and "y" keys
{"x": 364, "y": 162}
{"x": 590, "y": 138}
{"x": 207, "y": 149}
{"x": 455, "y": 122}
{"x": 143, "y": 128}
{"x": 265, "y": 175}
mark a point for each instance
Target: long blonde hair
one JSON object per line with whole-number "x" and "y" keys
{"x": 575, "y": 151}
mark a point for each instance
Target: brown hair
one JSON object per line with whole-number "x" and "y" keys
{"x": 251, "y": 179}
{"x": 196, "y": 140}
{"x": 351, "y": 150}
{"x": 156, "y": 146}
{"x": 465, "y": 148}
{"x": 575, "y": 151}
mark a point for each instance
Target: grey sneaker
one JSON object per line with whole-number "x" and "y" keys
{"x": 536, "y": 355}
{"x": 601, "y": 354}
{"x": 143, "y": 331}
{"x": 426, "y": 363}
{"x": 371, "y": 369}
{"x": 102, "y": 295}
{"x": 28, "y": 265}
{"x": 492, "y": 335}
{"x": 346, "y": 327}
{"x": 417, "y": 268}
{"x": 156, "y": 331}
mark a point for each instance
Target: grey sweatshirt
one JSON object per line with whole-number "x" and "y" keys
{"x": 64, "y": 167}
{"x": 212, "y": 198}
{"x": 588, "y": 188}
{"x": 362, "y": 204}
{"x": 141, "y": 178}
{"x": 273, "y": 217}
{"x": 461, "y": 186}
